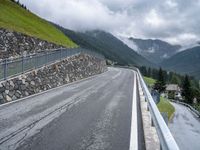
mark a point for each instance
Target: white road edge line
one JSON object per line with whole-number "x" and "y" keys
{"x": 134, "y": 124}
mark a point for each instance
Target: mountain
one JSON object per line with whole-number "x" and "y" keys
{"x": 154, "y": 50}
{"x": 108, "y": 45}
{"x": 185, "y": 62}
{"x": 16, "y": 18}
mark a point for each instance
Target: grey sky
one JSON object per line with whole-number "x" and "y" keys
{"x": 176, "y": 21}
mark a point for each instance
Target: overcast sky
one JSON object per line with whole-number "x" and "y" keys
{"x": 176, "y": 21}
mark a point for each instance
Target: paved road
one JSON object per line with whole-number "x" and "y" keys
{"x": 93, "y": 114}
{"x": 185, "y": 128}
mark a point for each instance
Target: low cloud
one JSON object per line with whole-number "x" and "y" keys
{"x": 176, "y": 21}
{"x": 79, "y": 14}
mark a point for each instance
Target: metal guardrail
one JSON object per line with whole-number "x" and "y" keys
{"x": 189, "y": 106}
{"x": 166, "y": 139}
{"x": 15, "y": 66}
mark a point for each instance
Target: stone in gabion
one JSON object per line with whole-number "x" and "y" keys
{"x": 14, "y": 44}
{"x": 69, "y": 70}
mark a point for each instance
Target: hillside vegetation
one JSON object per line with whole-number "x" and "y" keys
{"x": 15, "y": 18}
{"x": 165, "y": 106}
{"x": 185, "y": 62}
{"x": 108, "y": 45}
{"x": 149, "y": 81}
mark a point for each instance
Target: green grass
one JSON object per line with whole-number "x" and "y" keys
{"x": 15, "y": 18}
{"x": 165, "y": 106}
{"x": 149, "y": 81}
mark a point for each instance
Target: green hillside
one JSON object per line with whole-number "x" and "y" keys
{"x": 185, "y": 62}
{"x": 15, "y": 18}
{"x": 108, "y": 45}
{"x": 149, "y": 81}
{"x": 165, "y": 106}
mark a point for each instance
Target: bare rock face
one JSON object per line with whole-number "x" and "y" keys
{"x": 13, "y": 44}
{"x": 71, "y": 69}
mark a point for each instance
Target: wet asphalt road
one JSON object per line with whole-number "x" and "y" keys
{"x": 185, "y": 127}
{"x": 93, "y": 114}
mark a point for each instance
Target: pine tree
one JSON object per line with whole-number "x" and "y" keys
{"x": 155, "y": 74}
{"x": 143, "y": 70}
{"x": 175, "y": 79}
{"x": 160, "y": 83}
{"x": 187, "y": 91}
{"x": 149, "y": 72}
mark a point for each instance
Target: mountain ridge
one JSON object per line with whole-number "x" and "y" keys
{"x": 154, "y": 50}
{"x": 108, "y": 45}
{"x": 185, "y": 62}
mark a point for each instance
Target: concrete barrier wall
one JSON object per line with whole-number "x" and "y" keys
{"x": 71, "y": 69}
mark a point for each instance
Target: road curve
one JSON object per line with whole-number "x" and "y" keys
{"x": 92, "y": 114}
{"x": 185, "y": 128}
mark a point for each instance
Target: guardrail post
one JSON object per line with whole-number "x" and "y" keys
{"x": 152, "y": 123}
{"x": 5, "y": 69}
{"x": 67, "y": 52}
{"x": 46, "y": 59}
{"x": 145, "y": 99}
{"x": 43, "y": 59}
{"x": 22, "y": 64}
{"x": 165, "y": 117}
{"x": 36, "y": 61}
{"x": 165, "y": 137}
{"x": 60, "y": 54}
{"x": 160, "y": 147}
{"x": 147, "y": 106}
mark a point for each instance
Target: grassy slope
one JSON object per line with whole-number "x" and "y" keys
{"x": 15, "y": 18}
{"x": 165, "y": 106}
{"x": 149, "y": 81}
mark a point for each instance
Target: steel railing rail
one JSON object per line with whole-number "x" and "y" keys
{"x": 166, "y": 139}
{"x": 11, "y": 67}
{"x": 189, "y": 106}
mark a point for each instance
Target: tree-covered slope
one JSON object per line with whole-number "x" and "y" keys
{"x": 186, "y": 62}
{"x": 108, "y": 45}
{"x": 15, "y": 18}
